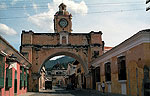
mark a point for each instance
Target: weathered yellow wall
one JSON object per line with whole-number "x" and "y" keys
{"x": 115, "y": 85}
{"x": 136, "y": 58}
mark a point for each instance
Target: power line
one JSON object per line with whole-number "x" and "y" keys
{"x": 89, "y": 5}
{"x": 105, "y": 3}
{"x": 85, "y": 13}
{"x": 116, "y": 11}
{"x": 116, "y": 3}
{"x": 3, "y": 1}
{"x": 45, "y": 7}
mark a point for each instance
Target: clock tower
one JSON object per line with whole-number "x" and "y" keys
{"x": 62, "y": 20}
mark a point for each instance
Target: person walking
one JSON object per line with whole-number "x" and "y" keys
{"x": 103, "y": 86}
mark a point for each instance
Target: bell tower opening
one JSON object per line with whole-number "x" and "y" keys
{"x": 62, "y": 20}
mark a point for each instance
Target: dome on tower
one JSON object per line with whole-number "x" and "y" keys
{"x": 62, "y": 10}
{"x": 62, "y": 6}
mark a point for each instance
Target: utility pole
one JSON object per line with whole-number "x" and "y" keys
{"x": 147, "y": 2}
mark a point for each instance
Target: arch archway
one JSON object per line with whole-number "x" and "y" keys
{"x": 43, "y": 55}
{"x": 78, "y": 58}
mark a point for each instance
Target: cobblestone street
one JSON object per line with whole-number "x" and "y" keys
{"x": 63, "y": 92}
{"x": 60, "y": 92}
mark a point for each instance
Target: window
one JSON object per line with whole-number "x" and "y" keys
{"x": 2, "y": 68}
{"x": 122, "y": 68}
{"x": 107, "y": 71}
{"x": 146, "y": 72}
{"x": 97, "y": 73}
{"x": 21, "y": 77}
{"x": 26, "y": 78}
{"x": 8, "y": 82}
{"x": 95, "y": 54}
{"x": 82, "y": 78}
{"x": 63, "y": 40}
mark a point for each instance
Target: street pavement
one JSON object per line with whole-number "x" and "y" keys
{"x": 56, "y": 91}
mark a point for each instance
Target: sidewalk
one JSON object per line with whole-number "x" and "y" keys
{"x": 28, "y": 94}
{"x": 98, "y": 93}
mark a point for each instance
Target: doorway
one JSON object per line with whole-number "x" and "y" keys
{"x": 93, "y": 79}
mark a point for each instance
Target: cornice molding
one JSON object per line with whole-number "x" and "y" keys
{"x": 137, "y": 39}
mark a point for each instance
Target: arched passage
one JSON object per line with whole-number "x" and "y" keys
{"x": 77, "y": 57}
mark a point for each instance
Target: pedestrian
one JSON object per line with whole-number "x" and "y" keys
{"x": 103, "y": 86}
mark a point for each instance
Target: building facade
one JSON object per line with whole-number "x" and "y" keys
{"x": 14, "y": 70}
{"x": 42, "y": 78}
{"x": 125, "y": 68}
{"x": 58, "y": 72}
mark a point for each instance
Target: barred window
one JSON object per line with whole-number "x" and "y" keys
{"x": 122, "y": 68}
{"x": 95, "y": 54}
{"x": 8, "y": 83}
{"x": 22, "y": 78}
{"x": 97, "y": 74}
{"x": 2, "y": 68}
{"x": 107, "y": 71}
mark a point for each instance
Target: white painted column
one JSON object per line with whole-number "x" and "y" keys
{"x": 109, "y": 86}
{"x": 123, "y": 87}
{"x": 99, "y": 86}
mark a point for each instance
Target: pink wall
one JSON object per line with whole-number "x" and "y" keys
{"x": 18, "y": 79}
{"x": 10, "y": 92}
{"x": 22, "y": 91}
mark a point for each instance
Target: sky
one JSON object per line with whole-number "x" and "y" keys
{"x": 117, "y": 19}
{"x": 57, "y": 57}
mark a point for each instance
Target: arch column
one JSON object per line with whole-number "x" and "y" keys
{"x": 34, "y": 82}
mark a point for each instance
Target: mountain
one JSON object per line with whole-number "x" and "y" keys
{"x": 63, "y": 60}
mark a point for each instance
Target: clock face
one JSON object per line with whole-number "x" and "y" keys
{"x": 63, "y": 23}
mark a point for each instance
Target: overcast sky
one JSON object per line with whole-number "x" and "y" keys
{"x": 117, "y": 19}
